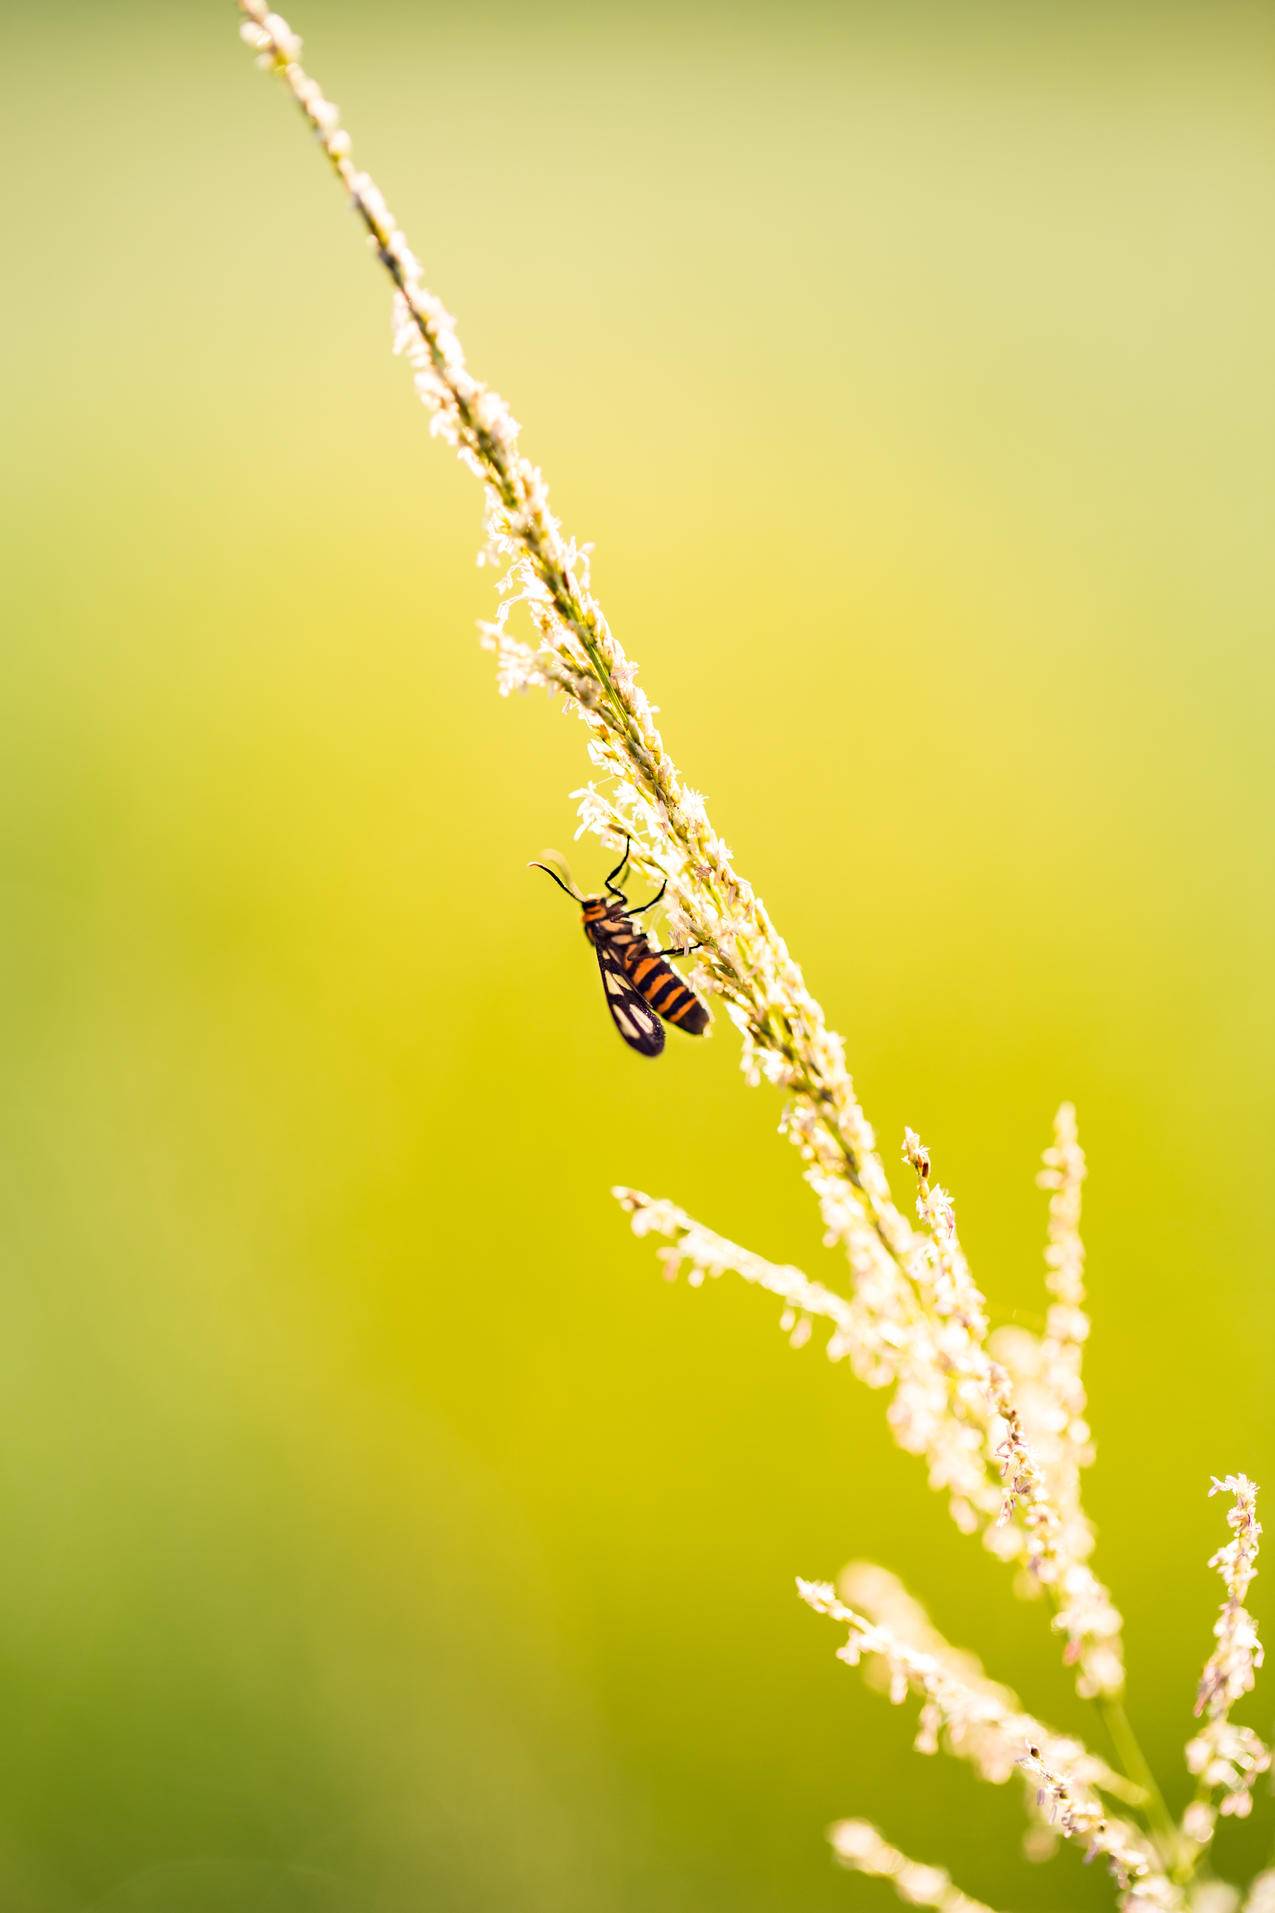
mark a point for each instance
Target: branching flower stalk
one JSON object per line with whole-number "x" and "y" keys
{"x": 925, "y": 1415}
{"x": 951, "y": 1403}
{"x": 956, "y": 1404}
{"x": 643, "y": 796}
{"x": 988, "y": 1726}
{"x": 973, "y": 1721}
{"x": 998, "y": 1416}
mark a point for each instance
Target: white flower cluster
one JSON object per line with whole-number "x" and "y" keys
{"x": 1078, "y": 1815}
{"x": 1049, "y": 1393}
{"x": 704, "y": 1256}
{"x": 1231, "y": 1669}
{"x": 1227, "y": 1759}
{"x": 1046, "y": 1370}
{"x": 993, "y": 1746}
{"x": 982, "y": 1723}
{"x": 857, "y": 1845}
{"x": 270, "y": 37}
{"x": 917, "y": 1324}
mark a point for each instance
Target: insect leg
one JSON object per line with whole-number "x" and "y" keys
{"x": 685, "y": 950}
{"x": 654, "y": 900}
{"x": 610, "y": 882}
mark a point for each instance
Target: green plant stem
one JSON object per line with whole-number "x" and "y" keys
{"x": 1128, "y": 1752}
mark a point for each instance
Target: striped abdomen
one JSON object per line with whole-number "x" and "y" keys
{"x": 658, "y": 983}
{"x": 655, "y": 980}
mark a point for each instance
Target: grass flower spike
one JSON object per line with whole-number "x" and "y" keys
{"x": 1009, "y": 1473}
{"x": 998, "y": 1415}
{"x": 977, "y": 1721}
{"x": 859, "y": 1847}
{"x": 1227, "y": 1759}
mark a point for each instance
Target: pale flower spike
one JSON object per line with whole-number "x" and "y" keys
{"x": 953, "y": 1402}
{"x": 993, "y": 1725}
{"x": 1227, "y": 1760}
{"x": 859, "y": 1847}
{"x": 973, "y": 1722}
{"x": 999, "y": 1417}
{"x": 1046, "y": 1369}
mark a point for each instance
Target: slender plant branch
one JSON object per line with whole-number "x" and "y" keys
{"x": 916, "y": 1321}
{"x": 787, "y": 1039}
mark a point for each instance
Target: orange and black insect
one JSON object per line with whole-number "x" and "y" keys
{"x": 635, "y": 975}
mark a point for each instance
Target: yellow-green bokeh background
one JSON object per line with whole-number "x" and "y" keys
{"x": 380, "y": 1533}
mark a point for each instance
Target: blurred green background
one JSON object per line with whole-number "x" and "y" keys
{"x": 380, "y": 1531}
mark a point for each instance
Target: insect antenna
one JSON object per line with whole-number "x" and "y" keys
{"x": 557, "y": 879}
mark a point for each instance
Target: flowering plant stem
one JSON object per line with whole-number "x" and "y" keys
{"x": 999, "y": 1419}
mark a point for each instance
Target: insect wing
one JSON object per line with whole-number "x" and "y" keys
{"x": 640, "y": 1027}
